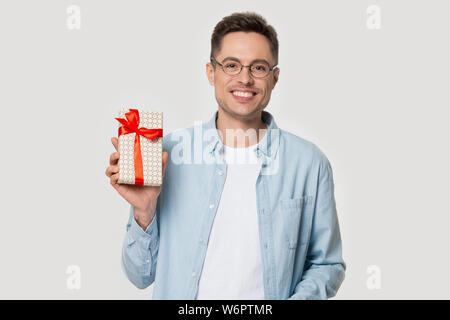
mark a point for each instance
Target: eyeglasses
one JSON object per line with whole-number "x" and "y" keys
{"x": 232, "y": 68}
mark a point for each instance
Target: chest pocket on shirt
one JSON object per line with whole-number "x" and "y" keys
{"x": 296, "y": 218}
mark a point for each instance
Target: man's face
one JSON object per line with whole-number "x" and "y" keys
{"x": 246, "y": 47}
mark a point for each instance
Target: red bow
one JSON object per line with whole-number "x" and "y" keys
{"x": 129, "y": 126}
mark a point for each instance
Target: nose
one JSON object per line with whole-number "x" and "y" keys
{"x": 244, "y": 76}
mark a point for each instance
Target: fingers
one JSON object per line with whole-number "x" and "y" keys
{"x": 115, "y": 143}
{"x": 114, "y": 158}
{"x": 111, "y": 170}
{"x": 114, "y": 178}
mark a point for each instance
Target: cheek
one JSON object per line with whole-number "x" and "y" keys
{"x": 224, "y": 85}
{"x": 266, "y": 93}
{"x": 219, "y": 86}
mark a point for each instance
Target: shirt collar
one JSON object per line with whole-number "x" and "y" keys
{"x": 267, "y": 146}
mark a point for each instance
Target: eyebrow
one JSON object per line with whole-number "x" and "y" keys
{"x": 237, "y": 60}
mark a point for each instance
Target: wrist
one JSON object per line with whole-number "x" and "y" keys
{"x": 143, "y": 222}
{"x": 143, "y": 217}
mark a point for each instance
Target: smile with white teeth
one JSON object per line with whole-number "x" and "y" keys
{"x": 243, "y": 94}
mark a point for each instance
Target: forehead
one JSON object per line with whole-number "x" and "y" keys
{"x": 246, "y": 46}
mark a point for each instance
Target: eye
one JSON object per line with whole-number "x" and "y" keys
{"x": 260, "y": 67}
{"x": 230, "y": 65}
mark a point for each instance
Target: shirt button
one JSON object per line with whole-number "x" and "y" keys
{"x": 147, "y": 260}
{"x": 220, "y": 172}
{"x": 193, "y": 274}
{"x": 201, "y": 240}
{"x": 211, "y": 206}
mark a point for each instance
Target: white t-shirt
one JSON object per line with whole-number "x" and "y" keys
{"x": 233, "y": 265}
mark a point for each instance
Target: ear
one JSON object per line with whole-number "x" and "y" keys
{"x": 276, "y": 73}
{"x": 210, "y": 73}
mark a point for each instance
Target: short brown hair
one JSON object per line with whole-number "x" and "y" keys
{"x": 246, "y": 22}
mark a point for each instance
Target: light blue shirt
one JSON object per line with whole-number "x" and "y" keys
{"x": 298, "y": 226}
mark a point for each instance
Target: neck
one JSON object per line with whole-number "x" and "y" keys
{"x": 240, "y": 133}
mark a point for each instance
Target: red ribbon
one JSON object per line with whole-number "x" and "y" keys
{"x": 129, "y": 126}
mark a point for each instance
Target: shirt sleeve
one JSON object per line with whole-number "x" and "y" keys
{"x": 140, "y": 251}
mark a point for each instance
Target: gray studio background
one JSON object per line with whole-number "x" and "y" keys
{"x": 374, "y": 100}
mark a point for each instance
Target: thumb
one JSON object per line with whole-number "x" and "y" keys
{"x": 115, "y": 142}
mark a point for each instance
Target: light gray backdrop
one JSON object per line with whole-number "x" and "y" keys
{"x": 366, "y": 81}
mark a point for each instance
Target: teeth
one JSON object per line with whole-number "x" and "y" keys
{"x": 243, "y": 94}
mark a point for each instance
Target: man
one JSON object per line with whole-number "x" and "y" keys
{"x": 265, "y": 227}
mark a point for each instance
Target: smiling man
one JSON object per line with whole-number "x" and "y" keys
{"x": 260, "y": 221}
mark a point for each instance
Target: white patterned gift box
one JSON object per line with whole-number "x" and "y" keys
{"x": 151, "y": 150}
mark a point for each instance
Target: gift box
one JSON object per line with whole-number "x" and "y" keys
{"x": 140, "y": 147}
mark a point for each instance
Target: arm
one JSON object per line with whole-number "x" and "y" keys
{"x": 140, "y": 251}
{"x": 324, "y": 268}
